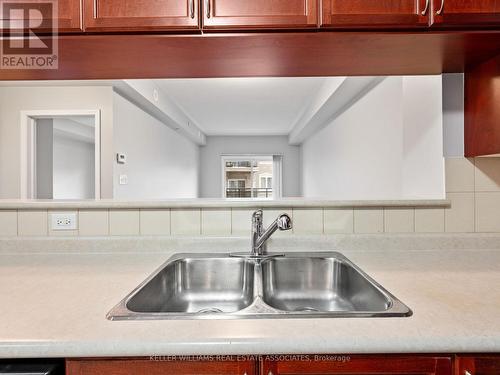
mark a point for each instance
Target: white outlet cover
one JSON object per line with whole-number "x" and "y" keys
{"x": 123, "y": 179}
{"x": 63, "y": 221}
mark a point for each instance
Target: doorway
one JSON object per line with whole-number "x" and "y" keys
{"x": 61, "y": 155}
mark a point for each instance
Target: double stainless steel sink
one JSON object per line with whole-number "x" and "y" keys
{"x": 295, "y": 285}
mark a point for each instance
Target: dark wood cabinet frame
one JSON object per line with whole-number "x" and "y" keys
{"x": 485, "y": 364}
{"x": 376, "y": 364}
{"x": 265, "y": 54}
{"x": 482, "y": 108}
{"x": 363, "y": 364}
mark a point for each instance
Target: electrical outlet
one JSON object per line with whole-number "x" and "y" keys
{"x": 64, "y": 221}
{"x": 123, "y": 180}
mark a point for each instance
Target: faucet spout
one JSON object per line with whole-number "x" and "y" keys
{"x": 260, "y": 236}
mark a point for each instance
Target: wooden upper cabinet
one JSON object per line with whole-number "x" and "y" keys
{"x": 68, "y": 19}
{"x": 140, "y": 15}
{"x": 478, "y": 365}
{"x": 482, "y": 112}
{"x": 376, "y": 13}
{"x": 362, "y": 364}
{"x": 70, "y": 13}
{"x": 459, "y": 13}
{"x": 257, "y": 14}
{"x": 159, "y": 366}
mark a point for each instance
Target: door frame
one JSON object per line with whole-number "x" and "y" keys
{"x": 28, "y": 146}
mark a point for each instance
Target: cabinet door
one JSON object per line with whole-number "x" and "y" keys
{"x": 256, "y": 14}
{"x": 68, "y": 19}
{"x": 355, "y": 365}
{"x": 460, "y": 13}
{"x": 160, "y": 366}
{"x": 140, "y": 15}
{"x": 376, "y": 14}
{"x": 478, "y": 365}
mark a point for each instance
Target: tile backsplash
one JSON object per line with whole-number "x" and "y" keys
{"x": 472, "y": 185}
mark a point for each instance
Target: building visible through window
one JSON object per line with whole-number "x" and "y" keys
{"x": 250, "y": 176}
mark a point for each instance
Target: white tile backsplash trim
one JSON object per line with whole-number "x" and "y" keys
{"x": 368, "y": 220}
{"x": 308, "y": 221}
{"x": 429, "y": 220}
{"x": 487, "y": 205}
{"x": 399, "y": 220}
{"x": 155, "y": 222}
{"x": 185, "y": 222}
{"x": 338, "y": 221}
{"x": 124, "y": 222}
{"x": 93, "y": 222}
{"x": 32, "y": 223}
{"x": 459, "y": 175}
{"x": 215, "y": 222}
{"x": 8, "y": 223}
{"x": 459, "y": 218}
{"x": 473, "y": 206}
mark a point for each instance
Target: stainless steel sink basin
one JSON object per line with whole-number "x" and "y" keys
{"x": 296, "y": 285}
{"x": 319, "y": 285}
{"x": 197, "y": 285}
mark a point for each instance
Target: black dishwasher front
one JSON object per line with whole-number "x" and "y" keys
{"x": 31, "y": 367}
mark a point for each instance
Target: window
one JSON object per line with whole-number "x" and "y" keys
{"x": 236, "y": 184}
{"x": 266, "y": 182}
{"x": 251, "y": 176}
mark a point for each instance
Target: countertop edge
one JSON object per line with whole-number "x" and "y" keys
{"x": 218, "y": 203}
{"x": 78, "y": 349}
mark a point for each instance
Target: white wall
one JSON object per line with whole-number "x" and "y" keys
{"x": 369, "y": 152}
{"x": 211, "y": 170}
{"x": 73, "y": 164}
{"x": 161, "y": 164}
{"x": 423, "y": 161}
{"x": 453, "y": 114}
{"x": 44, "y": 158}
{"x": 13, "y": 100}
{"x": 74, "y": 174}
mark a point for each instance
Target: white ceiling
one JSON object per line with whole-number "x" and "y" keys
{"x": 80, "y": 128}
{"x": 243, "y": 106}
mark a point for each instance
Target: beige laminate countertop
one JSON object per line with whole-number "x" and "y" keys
{"x": 40, "y": 204}
{"x": 54, "y": 305}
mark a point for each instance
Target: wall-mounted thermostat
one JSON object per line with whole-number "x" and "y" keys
{"x": 121, "y": 158}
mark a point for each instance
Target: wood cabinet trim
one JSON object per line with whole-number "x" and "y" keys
{"x": 264, "y": 54}
{"x": 388, "y": 19}
{"x": 212, "y": 21}
{"x": 159, "y": 366}
{"x": 366, "y": 364}
{"x": 94, "y": 22}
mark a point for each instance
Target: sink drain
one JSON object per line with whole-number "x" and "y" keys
{"x": 210, "y": 310}
{"x": 305, "y": 309}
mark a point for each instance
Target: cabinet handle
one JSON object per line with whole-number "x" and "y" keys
{"x": 424, "y": 12}
{"x": 440, "y": 9}
{"x": 208, "y": 8}
{"x": 191, "y": 8}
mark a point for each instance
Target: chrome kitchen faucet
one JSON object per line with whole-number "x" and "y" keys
{"x": 260, "y": 236}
